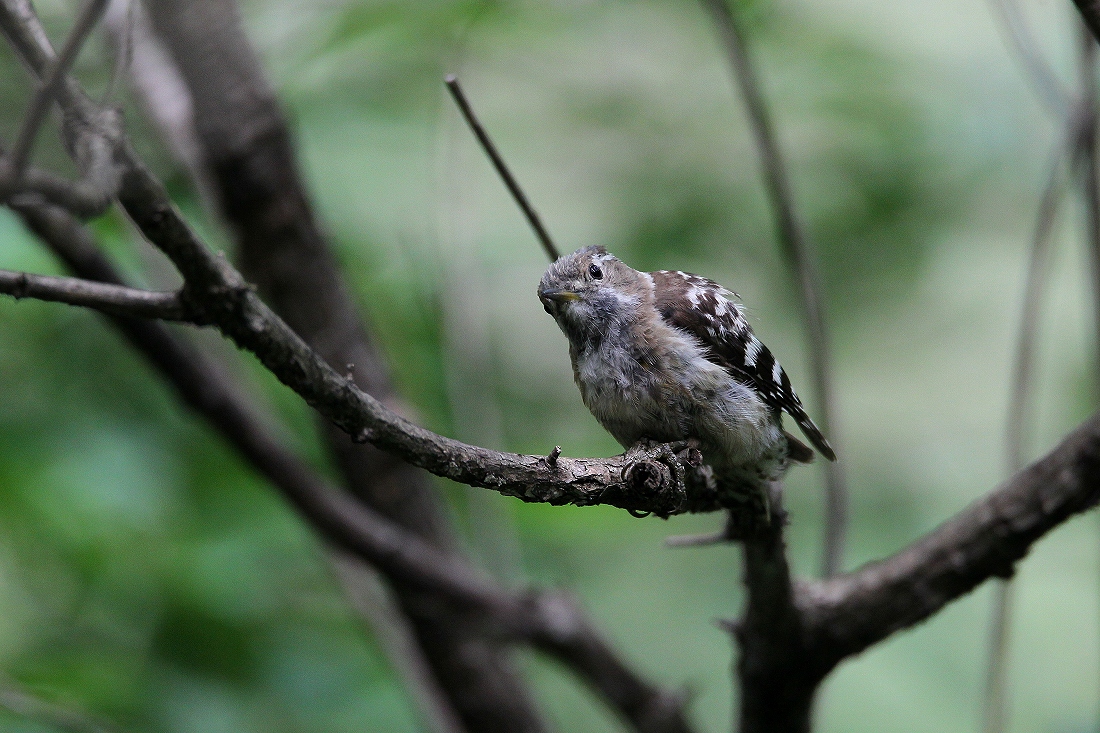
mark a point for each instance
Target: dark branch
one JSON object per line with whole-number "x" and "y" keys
{"x": 550, "y": 622}
{"x": 112, "y": 299}
{"x": 1020, "y": 40}
{"x": 641, "y": 482}
{"x": 566, "y": 636}
{"x": 777, "y": 674}
{"x": 1090, "y": 11}
{"x": 796, "y": 250}
{"x": 849, "y": 613}
{"x": 498, "y": 163}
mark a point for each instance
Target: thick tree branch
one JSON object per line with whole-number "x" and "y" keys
{"x": 851, "y": 612}
{"x": 549, "y": 621}
{"x": 642, "y": 481}
{"x": 202, "y": 386}
{"x": 112, "y": 299}
{"x": 564, "y": 635}
{"x": 778, "y": 676}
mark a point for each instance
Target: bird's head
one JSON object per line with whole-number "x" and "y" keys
{"x": 589, "y": 291}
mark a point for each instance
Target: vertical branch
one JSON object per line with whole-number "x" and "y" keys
{"x": 369, "y": 596}
{"x": 796, "y": 250}
{"x": 1091, "y": 182}
{"x": 777, "y": 671}
{"x": 995, "y": 699}
{"x": 1020, "y": 40}
{"x": 1080, "y": 134}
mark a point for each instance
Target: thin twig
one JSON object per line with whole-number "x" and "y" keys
{"x": 994, "y": 712}
{"x": 123, "y": 32}
{"x": 498, "y": 162}
{"x": 1043, "y": 80}
{"x": 995, "y": 698}
{"x": 1091, "y": 173}
{"x": 51, "y": 80}
{"x": 113, "y": 299}
{"x": 796, "y": 249}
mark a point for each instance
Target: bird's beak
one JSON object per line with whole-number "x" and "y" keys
{"x": 557, "y": 295}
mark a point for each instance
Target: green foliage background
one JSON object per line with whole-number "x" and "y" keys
{"x": 147, "y": 575}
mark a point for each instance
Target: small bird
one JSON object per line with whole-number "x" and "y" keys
{"x": 669, "y": 356}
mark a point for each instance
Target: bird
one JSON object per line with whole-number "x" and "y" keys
{"x": 668, "y": 356}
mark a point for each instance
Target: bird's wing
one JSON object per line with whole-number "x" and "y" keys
{"x": 704, "y": 309}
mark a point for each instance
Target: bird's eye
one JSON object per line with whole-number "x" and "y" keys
{"x": 595, "y": 271}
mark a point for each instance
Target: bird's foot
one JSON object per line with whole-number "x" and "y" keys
{"x": 658, "y": 470}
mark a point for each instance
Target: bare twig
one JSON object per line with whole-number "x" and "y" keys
{"x": 1043, "y": 80}
{"x": 113, "y": 299}
{"x": 1091, "y": 173}
{"x": 995, "y": 698}
{"x": 498, "y": 163}
{"x": 122, "y": 27}
{"x": 993, "y": 708}
{"x": 51, "y": 80}
{"x": 697, "y": 540}
{"x": 797, "y": 252}
{"x": 86, "y": 197}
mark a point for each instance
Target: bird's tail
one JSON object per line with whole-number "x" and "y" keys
{"x": 812, "y": 432}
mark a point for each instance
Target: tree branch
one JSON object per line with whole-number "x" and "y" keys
{"x": 565, "y": 635}
{"x": 497, "y": 160}
{"x": 549, "y": 621}
{"x": 778, "y": 676}
{"x": 849, "y": 613}
{"x": 112, "y": 299}
{"x": 643, "y": 481}
{"x": 1038, "y": 71}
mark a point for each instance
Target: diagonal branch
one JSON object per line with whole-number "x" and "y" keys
{"x": 795, "y": 248}
{"x": 112, "y": 299}
{"x": 550, "y": 626}
{"x": 1038, "y": 71}
{"x": 549, "y": 621}
{"x": 644, "y": 481}
{"x": 497, "y": 160}
{"x": 849, "y": 613}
